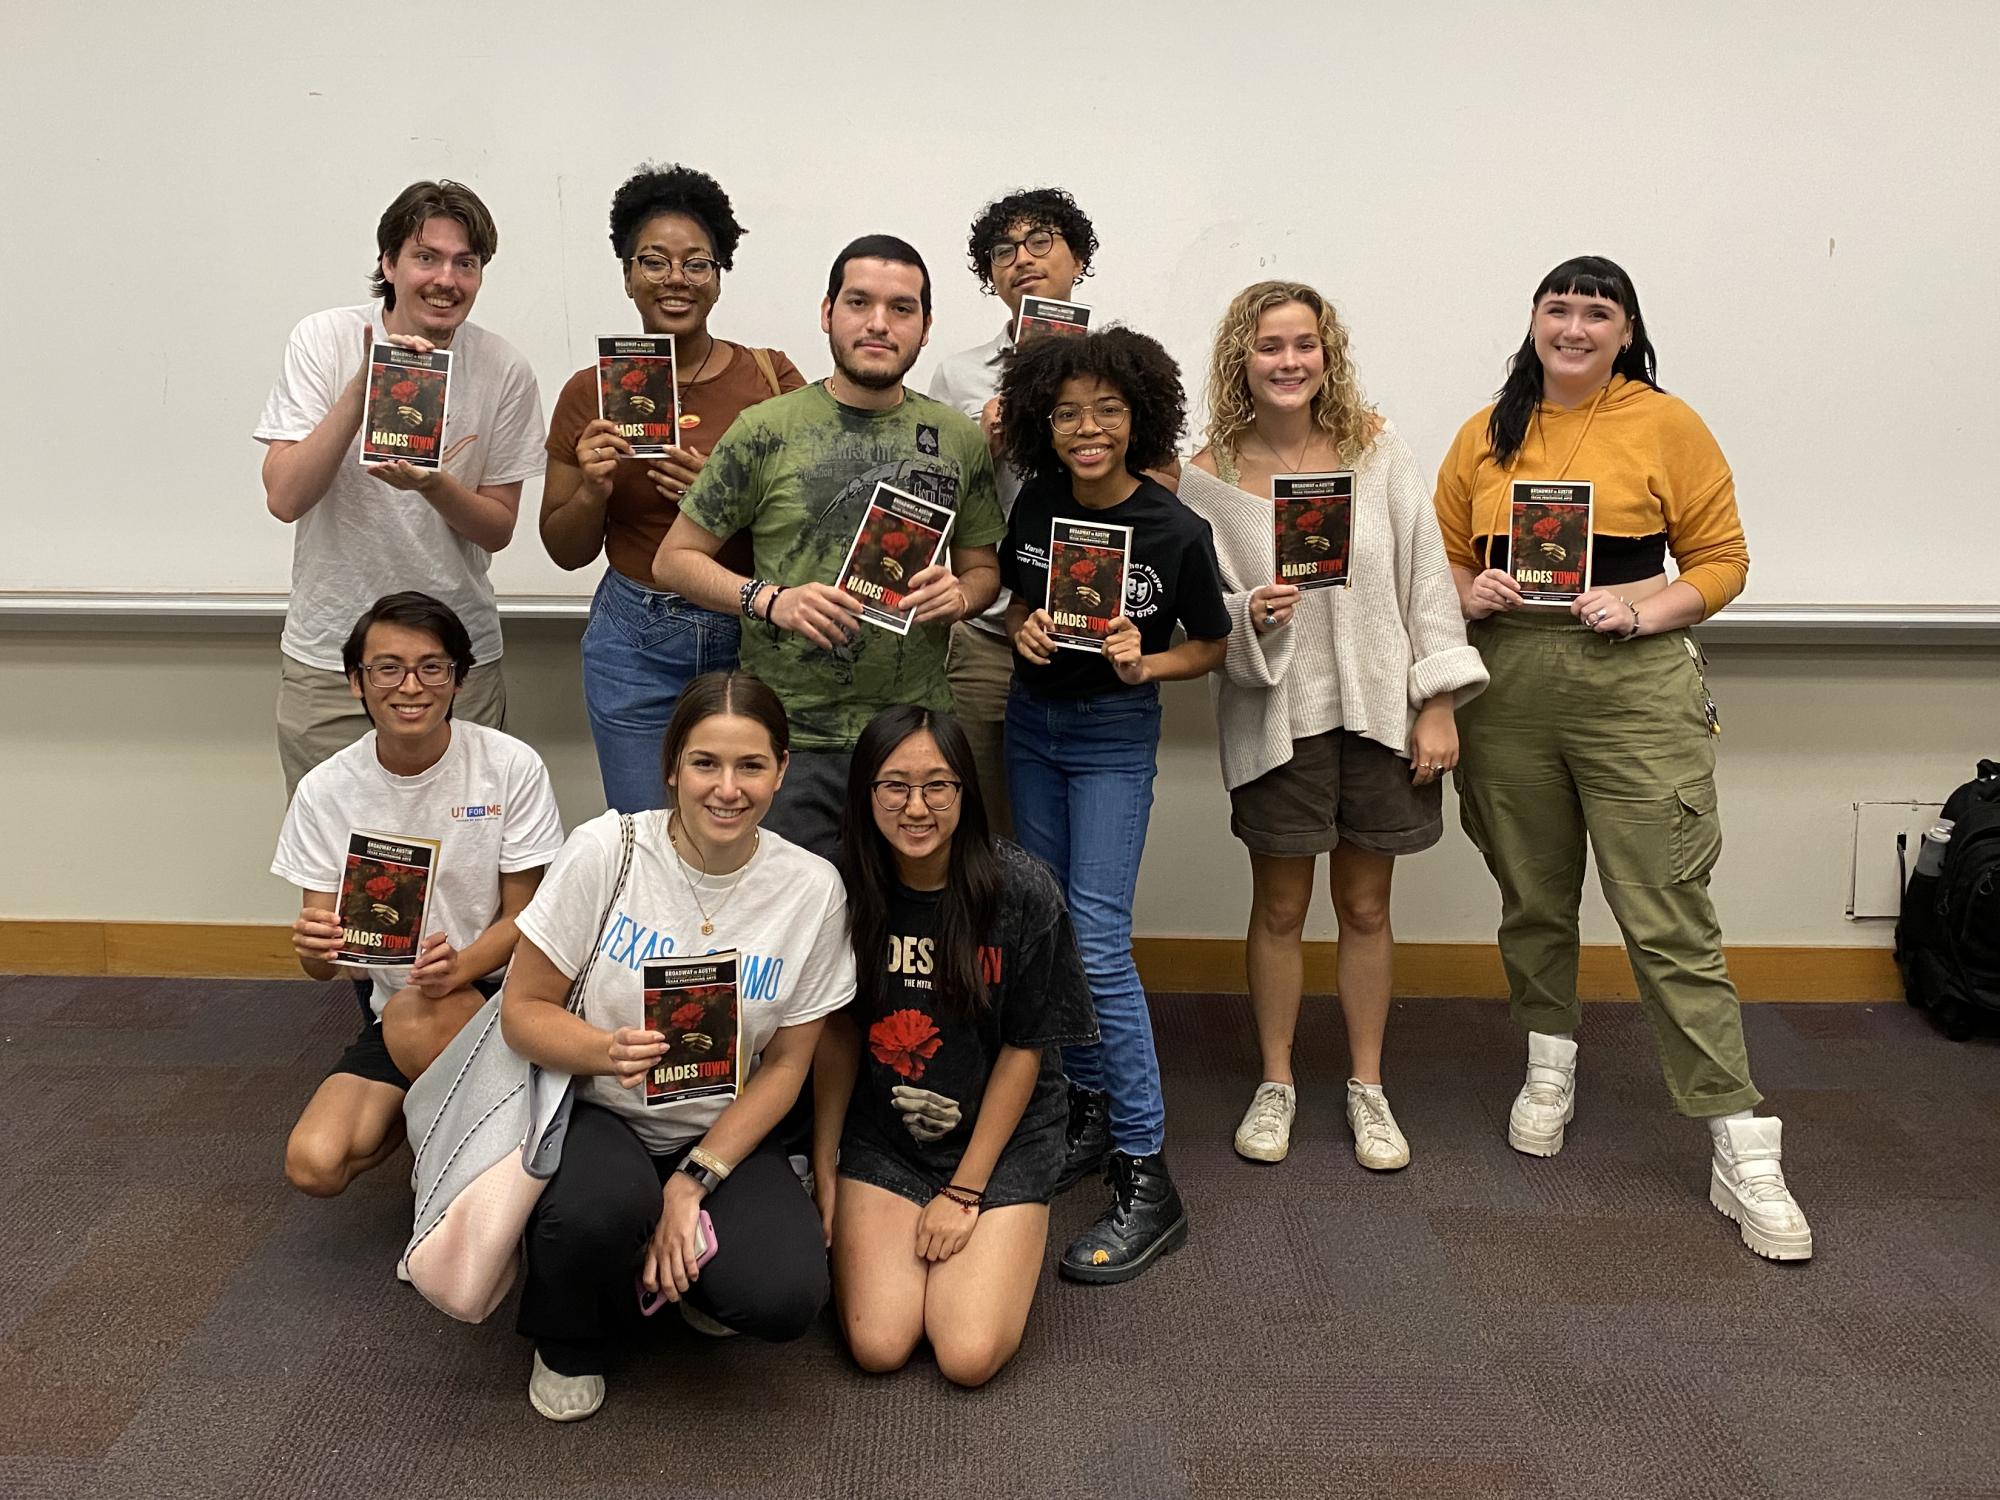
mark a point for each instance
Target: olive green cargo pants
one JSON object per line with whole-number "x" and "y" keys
{"x": 1577, "y": 735}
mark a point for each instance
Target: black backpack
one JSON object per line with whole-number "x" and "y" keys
{"x": 1948, "y": 936}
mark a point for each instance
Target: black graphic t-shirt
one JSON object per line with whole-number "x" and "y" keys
{"x": 1173, "y": 578}
{"x": 924, "y": 1069}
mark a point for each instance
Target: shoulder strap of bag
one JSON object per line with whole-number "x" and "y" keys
{"x": 767, "y": 369}
{"x": 574, "y": 1000}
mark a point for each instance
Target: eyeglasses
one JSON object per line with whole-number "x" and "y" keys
{"x": 1110, "y": 415}
{"x": 894, "y": 796}
{"x": 1037, "y": 241}
{"x": 696, "y": 270}
{"x": 432, "y": 671}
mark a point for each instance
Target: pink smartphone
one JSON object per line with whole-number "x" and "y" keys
{"x": 704, "y": 1236}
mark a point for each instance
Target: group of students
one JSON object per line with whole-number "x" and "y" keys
{"x": 964, "y": 1002}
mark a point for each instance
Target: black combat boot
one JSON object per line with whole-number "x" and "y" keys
{"x": 1088, "y": 1136}
{"x": 1146, "y": 1220}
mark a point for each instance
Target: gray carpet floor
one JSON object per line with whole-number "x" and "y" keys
{"x": 175, "y": 1322}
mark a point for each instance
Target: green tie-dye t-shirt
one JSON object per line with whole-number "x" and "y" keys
{"x": 797, "y": 471}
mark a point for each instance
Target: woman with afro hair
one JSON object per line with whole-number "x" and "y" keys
{"x": 674, "y": 233}
{"x": 1083, "y": 418}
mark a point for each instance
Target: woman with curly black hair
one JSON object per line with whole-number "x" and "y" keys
{"x": 674, "y": 233}
{"x": 1083, "y": 418}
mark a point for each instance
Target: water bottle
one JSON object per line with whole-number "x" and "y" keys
{"x": 1930, "y": 852}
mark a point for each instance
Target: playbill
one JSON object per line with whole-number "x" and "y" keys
{"x": 405, "y": 416}
{"x": 899, "y": 536}
{"x": 692, "y": 1002}
{"x": 385, "y": 893}
{"x": 1313, "y": 516}
{"x": 1548, "y": 544}
{"x": 1044, "y": 315}
{"x": 637, "y": 392}
{"x": 1088, "y": 561}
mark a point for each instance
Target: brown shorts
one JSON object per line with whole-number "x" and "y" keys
{"x": 1338, "y": 788}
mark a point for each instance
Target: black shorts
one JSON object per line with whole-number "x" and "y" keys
{"x": 1029, "y": 1167}
{"x": 367, "y": 1056}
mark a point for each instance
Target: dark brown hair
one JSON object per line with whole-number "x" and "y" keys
{"x": 715, "y": 693}
{"x": 430, "y": 200}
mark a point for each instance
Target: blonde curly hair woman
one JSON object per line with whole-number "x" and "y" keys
{"x": 1335, "y": 703}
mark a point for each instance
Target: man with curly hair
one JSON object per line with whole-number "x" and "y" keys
{"x": 1033, "y": 243}
{"x": 797, "y": 472}
{"x": 359, "y": 533}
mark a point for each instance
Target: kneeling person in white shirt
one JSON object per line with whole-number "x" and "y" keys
{"x": 484, "y": 798}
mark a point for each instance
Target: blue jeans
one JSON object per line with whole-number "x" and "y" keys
{"x": 639, "y": 650}
{"x": 1080, "y": 775}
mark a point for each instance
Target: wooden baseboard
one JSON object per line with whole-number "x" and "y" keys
{"x": 1423, "y": 970}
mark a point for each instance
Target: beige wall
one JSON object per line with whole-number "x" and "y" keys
{"x": 139, "y": 782}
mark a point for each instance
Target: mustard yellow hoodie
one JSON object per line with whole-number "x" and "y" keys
{"x": 1653, "y": 466}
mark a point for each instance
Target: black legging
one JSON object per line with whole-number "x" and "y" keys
{"x": 587, "y": 1242}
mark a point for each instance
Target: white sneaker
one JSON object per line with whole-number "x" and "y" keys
{"x": 1378, "y": 1144}
{"x": 1547, "y": 1099}
{"x": 702, "y": 1323}
{"x": 1266, "y": 1131}
{"x": 1747, "y": 1183}
{"x": 564, "y": 1398}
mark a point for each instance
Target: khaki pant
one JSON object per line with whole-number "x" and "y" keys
{"x": 1579, "y": 735}
{"x": 318, "y": 717}
{"x": 981, "y": 668}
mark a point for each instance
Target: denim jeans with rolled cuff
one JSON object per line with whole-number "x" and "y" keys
{"x": 1081, "y": 774}
{"x": 640, "y": 649}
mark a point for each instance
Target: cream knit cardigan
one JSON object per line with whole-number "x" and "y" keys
{"x": 1363, "y": 658}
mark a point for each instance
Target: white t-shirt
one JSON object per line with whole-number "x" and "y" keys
{"x": 968, "y": 380}
{"x": 787, "y": 919}
{"x": 487, "y": 801}
{"x": 365, "y": 538}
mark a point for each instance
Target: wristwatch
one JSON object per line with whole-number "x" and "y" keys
{"x": 708, "y": 1179}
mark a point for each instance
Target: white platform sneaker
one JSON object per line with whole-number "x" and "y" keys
{"x": 1378, "y": 1144}
{"x": 1746, "y": 1181}
{"x": 1547, "y": 1099}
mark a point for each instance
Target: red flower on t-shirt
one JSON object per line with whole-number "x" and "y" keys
{"x": 687, "y": 1017}
{"x": 904, "y": 1040}
{"x": 403, "y": 390}
{"x": 1548, "y": 528}
{"x": 1083, "y": 570}
{"x": 633, "y": 380}
{"x": 381, "y": 887}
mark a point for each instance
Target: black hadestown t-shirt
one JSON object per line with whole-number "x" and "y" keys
{"x": 911, "y": 1042}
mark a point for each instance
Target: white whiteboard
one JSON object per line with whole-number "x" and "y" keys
{"x": 1806, "y": 195}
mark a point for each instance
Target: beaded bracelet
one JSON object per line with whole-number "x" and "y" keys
{"x": 747, "y": 597}
{"x": 964, "y": 1197}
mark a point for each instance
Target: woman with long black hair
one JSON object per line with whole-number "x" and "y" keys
{"x": 1597, "y": 724}
{"x": 942, "y": 1089}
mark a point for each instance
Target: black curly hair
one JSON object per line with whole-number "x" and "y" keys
{"x": 675, "y": 189}
{"x": 1038, "y": 208}
{"x": 1141, "y": 371}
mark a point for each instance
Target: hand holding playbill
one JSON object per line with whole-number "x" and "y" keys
{"x": 891, "y": 567}
{"x": 692, "y": 1003}
{"x": 1548, "y": 543}
{"x": 638, "y": 392}
{"x": 403, "y": 421}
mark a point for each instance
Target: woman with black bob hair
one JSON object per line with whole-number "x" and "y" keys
{"x": 942, "y": 1087}
{"x": 674, "y": 233}
{"x": 1597, "y": 726}
{"x": 1083, "y": 419}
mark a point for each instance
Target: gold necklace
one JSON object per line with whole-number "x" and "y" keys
{"x": 707, "y": 917}
{"x": 1272, "y": 449}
